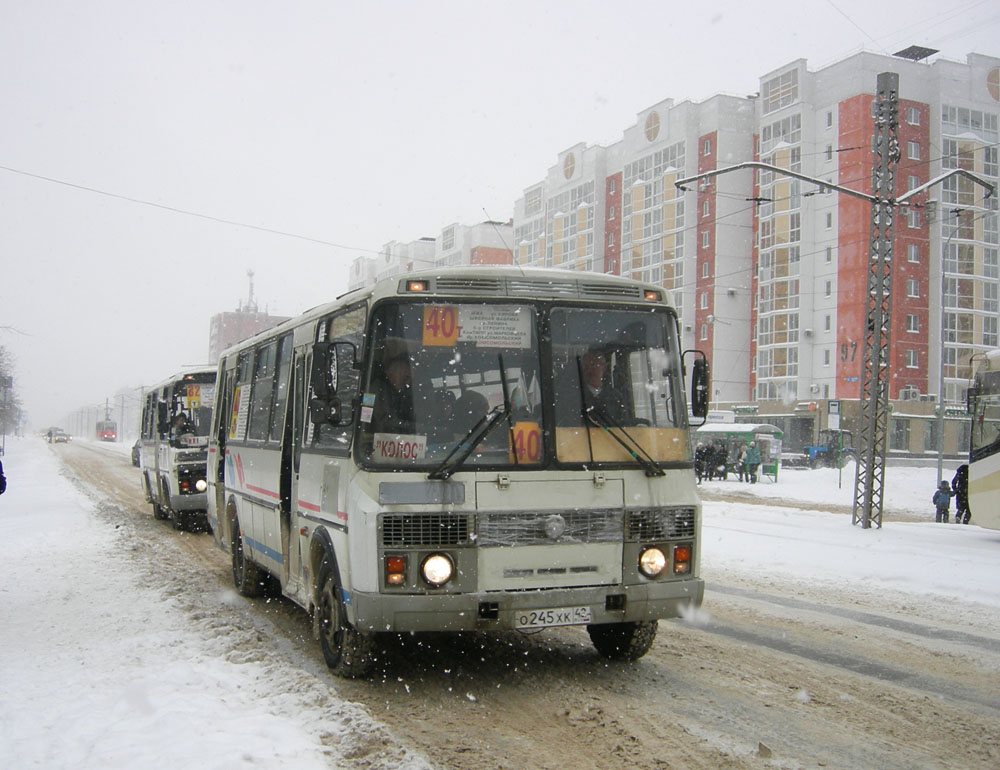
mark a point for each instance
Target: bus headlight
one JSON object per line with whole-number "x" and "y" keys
{"x": 201, "y": 485}
{"x": 652, "y": 562}
{"x": 437, "y": 570}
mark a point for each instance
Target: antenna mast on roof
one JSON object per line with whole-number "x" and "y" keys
{"x": 251, "y": 302}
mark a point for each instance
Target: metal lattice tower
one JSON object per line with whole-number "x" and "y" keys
{"x": 874, "y": 426}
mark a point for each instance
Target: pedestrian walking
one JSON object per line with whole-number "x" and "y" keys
{"x": 699, "y": 461}
{"x": 3, "y": 479}
{"x": 960, "y": 491}
{"x": 753, "y": 462}
{"x": 942, "y": 502}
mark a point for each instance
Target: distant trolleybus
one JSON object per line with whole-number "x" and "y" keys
{"x": 984, "y": 452}
{"x": 465, "y": 449}
{"x": 176, "y": 417}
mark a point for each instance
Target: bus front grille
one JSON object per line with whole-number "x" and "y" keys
{"x": 400, "y": 530}
{"x": 504, "y": 528}
{"x": 661, "y": 524}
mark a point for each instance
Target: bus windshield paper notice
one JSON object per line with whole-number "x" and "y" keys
{"x": 495, "y": 326}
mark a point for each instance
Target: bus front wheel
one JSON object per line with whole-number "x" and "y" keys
{"x": 623, "y": 641}
{"x": 246, "y": 575}
{"x": 347, "y": 651}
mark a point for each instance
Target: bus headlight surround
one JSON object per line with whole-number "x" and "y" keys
{"x": 437, "y": 569}
{"x": 652, "y": 562}
{"x": 201, "y": 485}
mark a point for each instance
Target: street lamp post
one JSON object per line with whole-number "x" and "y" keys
{"x": 940, "y": 415}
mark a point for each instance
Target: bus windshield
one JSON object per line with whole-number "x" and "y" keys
{"x": 191, "y": 416}
{"x": 469, "y": 384}
{"x": 986, "y": 414}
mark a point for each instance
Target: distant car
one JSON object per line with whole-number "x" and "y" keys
{"x": 135, "y": 452}
{"x": 60, "y": 437}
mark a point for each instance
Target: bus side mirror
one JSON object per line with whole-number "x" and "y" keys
{"x": 334, "y": 372}
{"x": 970, "y": 399}
{"x": 699, "y": 388}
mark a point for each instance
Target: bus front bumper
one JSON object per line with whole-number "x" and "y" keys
{"x": 507, "y": 610}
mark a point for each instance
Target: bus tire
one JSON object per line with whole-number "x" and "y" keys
{"x": 623, "y": 641}
{"x": 247, "y": 576}
{"x": 348, "y": 652}
{"x": 160, "y": 513}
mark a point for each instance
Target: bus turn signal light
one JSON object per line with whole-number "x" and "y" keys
{"x": 417, "y": 286}
{"x": 682, "y": 560}
{"x": 395, "y": 570}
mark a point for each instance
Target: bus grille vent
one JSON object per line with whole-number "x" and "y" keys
{"x": 602, "y": 290}
{"x": 550, "y": 527}
{"x": 661, "y": 524}
{"x": 536, "y": 288}
{"x": 488, "y": 286}
{"x": 424, "y": 529}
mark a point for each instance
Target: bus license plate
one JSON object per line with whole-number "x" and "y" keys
{"x": 560, "y": 616}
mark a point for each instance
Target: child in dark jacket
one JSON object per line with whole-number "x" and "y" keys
{"x": 942, "y": 502}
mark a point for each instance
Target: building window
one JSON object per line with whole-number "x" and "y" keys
{"x": 913, "y": 150}
{"x": 913, "y": 116}
{"x": 899, "y": 434}
{"x": 829, "y": 220}
{"x": 705, "y": 208}
{"x": 704, "y": 331}
{"x": 931, "y": 442}
{"x": 913, "y": 219}
{"x": 828, "y": 291}
{"x": 913, "y": 323}
{"x": 704, "y": 239}
{"x": 826, "y": 323}
{"x": 829, "y": 119}
{"x": 704, "y": 301}
{"x": 912, "y": 287}
{"x": 780, "y": 91}
{"x": 826, "y": 358}
{"x": 611, "y": 239}
{"x": 611, "y": 212}
{"x": 829, "y": 254}
{"x": 612, "y": 187}
{"x": 704, "y": 269}
{"x": 707, "y": 147}
{"x": 911, "y": 359}
{"x": 448, "y": 239}
{"x": 912, "y": 253}
{"x": 829, "y": 152}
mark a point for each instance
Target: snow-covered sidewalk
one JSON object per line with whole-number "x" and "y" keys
{"x": 101, "y": 671}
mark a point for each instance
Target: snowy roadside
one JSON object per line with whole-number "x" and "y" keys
{"x": 102, "y": 671}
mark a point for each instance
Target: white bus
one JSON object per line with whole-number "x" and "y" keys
{"x": 429, "y": 454}
{"x": 984, "y": 452}
{"x": 176, "y": 418}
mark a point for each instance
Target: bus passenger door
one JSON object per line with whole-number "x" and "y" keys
{"x": 291, "y": 447}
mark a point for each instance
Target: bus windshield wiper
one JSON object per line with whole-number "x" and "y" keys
{"x": 597, "y": 416}
{"x": 477, "y": 434}
{"x": 470, "y": 442}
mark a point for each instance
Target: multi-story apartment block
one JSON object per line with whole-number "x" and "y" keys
{"x": 485, "y": 243}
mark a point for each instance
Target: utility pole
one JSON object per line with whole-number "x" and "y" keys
{"x": 870, "y": 474}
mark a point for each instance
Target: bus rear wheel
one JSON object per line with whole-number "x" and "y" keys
{"x": 623, "y": 641}
{"x": 347, "y": 651}
{"x": 246, "y": 575}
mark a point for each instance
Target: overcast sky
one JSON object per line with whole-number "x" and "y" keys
{"x": 147, "y": 148}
